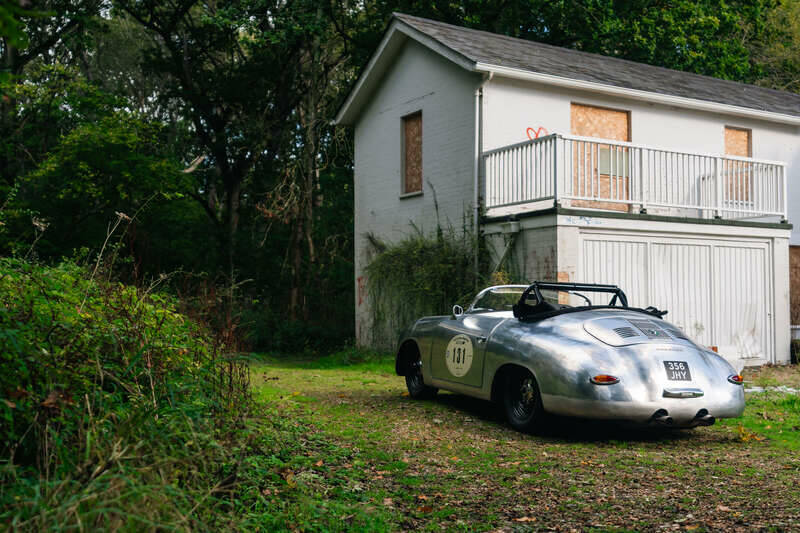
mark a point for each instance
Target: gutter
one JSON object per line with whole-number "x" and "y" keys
{"x": 476, "y": 170}
{"x": 636, "y": 94}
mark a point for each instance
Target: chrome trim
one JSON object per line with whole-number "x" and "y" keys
{"x": 683, "y": 393}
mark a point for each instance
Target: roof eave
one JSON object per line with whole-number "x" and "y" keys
{"x": 396, "y": 34}
{"x": 647, "y": 96}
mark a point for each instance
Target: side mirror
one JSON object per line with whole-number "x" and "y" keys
{"x": 458, "y": 310}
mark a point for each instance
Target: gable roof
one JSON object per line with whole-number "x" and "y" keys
{"x": 486, "y": 52}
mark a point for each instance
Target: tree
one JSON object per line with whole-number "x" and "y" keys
{"x": 706, "y": 37}
{"x": 779, "y": 52}
{"x": 235, "y": 67}
{"x": 115, "y": 164}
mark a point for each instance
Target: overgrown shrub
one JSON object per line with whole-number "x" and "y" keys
{"x": 115, "y": 408}
{"x": 420, "y": 275}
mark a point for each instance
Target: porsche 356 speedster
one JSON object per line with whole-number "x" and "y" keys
{"x": 526, "y": 349}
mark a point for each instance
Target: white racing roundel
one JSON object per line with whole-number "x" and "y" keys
{"x": 459, "y": 355}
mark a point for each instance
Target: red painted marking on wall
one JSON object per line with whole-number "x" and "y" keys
{"x": 362, "y": 289}
{"x": 534, "y": 133}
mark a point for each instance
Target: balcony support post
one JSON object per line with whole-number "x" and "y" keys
{"x": 784, "y": 191}
{"x": 556, "y": 169}
{"x": 643, "y": 183}
{"x": 718, "y": 187}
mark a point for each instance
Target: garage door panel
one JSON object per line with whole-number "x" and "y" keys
{"x": 742, "y": 289}
{"x": 622, "y": 263}
{"x": 681, "y": 282}
{"x": 719, "y": 291}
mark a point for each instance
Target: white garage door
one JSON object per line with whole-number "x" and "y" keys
{"x": 718, "y": 291}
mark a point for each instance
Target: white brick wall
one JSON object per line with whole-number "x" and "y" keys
{"x": 419, "y": 80}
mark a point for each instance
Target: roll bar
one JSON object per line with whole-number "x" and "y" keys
{"x": 536, "y": 286}
{"x": 524, "y": 310}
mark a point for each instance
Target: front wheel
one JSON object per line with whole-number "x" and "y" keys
{"x": 416, "y": 384}
{"x": 522, "y": 401}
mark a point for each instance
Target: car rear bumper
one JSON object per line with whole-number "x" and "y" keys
{"x": 683, "y": 412}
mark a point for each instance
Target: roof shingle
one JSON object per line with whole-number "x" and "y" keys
{"x": 503, "y": 51}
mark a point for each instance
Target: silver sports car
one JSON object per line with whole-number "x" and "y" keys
{"x": 525, "y": 348}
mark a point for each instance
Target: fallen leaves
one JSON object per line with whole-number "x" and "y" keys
{"x": 492, "y": 477}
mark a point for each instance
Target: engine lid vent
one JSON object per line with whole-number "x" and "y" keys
{"x": 675, "y": 332}
{"x": 650, "y": 329}
{"x": 626, "y": 332}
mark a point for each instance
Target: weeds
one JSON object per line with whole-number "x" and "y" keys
{"x": 117, "y": 411}
{"x": 420, "y": 275}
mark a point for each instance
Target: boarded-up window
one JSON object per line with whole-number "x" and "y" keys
{"x": 412, "y": 153}
{"x": 591, "y": 121}
{"x": 794, "y": 284}
{"x": 739, "y": 143}
{"x": 601, "y": 171}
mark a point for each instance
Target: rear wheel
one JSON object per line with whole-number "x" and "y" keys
{"x": 415, "y": 383}
{"x": 522, "y": 401}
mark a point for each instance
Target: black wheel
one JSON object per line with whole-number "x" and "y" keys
{"x": 416, "y": 385}
{"x": 522, "y": 401}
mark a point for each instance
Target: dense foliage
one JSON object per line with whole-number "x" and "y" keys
{"x": 110, "y": 395}
{"x": 209, "y": 124}
{"x": 420, "y": 275}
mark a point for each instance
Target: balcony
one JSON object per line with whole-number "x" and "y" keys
{"x": 600, "y": 174}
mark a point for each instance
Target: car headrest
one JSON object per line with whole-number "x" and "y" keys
{"x": 523, "y": 310}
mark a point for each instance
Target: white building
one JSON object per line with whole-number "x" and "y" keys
{"x": 674, "y": 186}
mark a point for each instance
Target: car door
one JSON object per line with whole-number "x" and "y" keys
{"x": 459, "y": 349}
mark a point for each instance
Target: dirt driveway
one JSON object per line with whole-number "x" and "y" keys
{"x": 452, "y": 464}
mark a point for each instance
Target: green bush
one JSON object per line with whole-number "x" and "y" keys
{"x": 420, "y": 275}
{"x": 115, "y": 408}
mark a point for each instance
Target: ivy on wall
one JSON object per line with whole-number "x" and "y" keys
{"x": 419, "y": 276}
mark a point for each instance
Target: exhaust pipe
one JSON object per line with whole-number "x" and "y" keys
{"x": 662, "y": 418}
{"x": 702, "y": 418}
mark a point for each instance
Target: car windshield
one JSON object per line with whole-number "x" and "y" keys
{"x": 500, "y": 298}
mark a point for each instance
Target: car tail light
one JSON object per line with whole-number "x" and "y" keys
{"x": 604, "y": 379}
{"x": 736, "y": 379}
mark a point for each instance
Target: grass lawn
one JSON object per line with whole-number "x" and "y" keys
{"x": 367, "y": 457}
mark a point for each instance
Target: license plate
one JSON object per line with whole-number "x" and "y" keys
{"x": 677, "y": 371}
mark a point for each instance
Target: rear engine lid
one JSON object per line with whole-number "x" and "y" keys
{"x": 618, "y": 331}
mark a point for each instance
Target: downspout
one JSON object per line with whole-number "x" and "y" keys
{"x": 476, "y": 215}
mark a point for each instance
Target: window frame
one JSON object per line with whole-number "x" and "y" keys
{"x": 403, "y": 156}
{"x": 749, "y": 140}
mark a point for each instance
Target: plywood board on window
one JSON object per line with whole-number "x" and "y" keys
{"x": 738, "y": 142}
{"x": 600, "y": 170}
{"x": 600, "y": 122}
{"x": 412, "y": 157}
{"x": 794, "y": 283}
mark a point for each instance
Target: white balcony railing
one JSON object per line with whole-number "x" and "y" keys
{"x": 591, "y": 173}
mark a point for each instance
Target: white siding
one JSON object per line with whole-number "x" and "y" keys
{"x": 419, "y": 80}
{"x": 512, "y": 106}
